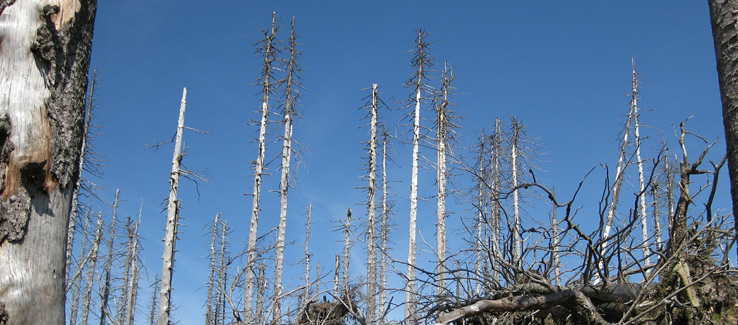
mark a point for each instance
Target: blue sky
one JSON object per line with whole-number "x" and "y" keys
{"x": 562, "y": 68}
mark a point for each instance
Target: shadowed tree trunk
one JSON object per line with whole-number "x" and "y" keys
{"x": 44, "y": 60}
{"x": 724, "y": 17}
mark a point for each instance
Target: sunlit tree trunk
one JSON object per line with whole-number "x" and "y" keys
{"x": 133, "y": 282}
{"x": 555, "y": 244}
{"x": 371, "y": 244}
{"x": 44, "y": 62}
{"x": 346, "y": 251}
{"x": 261, "y": 283}
{"x": 76, "y": 282}
{"x": 209, "y": 304}
{"x": 170, "y": 239}
{"x": 306, "y": 295}
{"x": 481, "y": 218}
{"x": 266, "y": 81}
{"x": 421, "y": 62}
{"x": 154, "y": 301}
{"x": 444, "y": 127}
{"x": 222, "y": 274}
{"x": 336, "y": 271}
{"x": 289, "y": 112}
{"x": 724, "y": 18}
{"x": 641, "y": 175}
{"x": 516, "y": 235}
{"x": 384, "y": 232}
{"x": 495, "y": 212}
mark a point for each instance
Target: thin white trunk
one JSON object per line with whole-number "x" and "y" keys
{"x": 154, "y": 301}
{"x": 655, "y": 189}
{"x": 87, "y": 301}
{"x": 219, "y": 308}
{"x": 442, "y": 134}
{"x": 517, "y": 240}
{"x": 317, "y": 278}
{"x": 479, "y": 257}
{"x": 267, "y": 70}
{"x": 126, "y": 273}
{"x": 209, "y": 305}
{"x": 261, "y": 283}
{"x": 371, "y": 245}
{"x": 170, "y": 239}
{"x": 346, "y": 252}
{"x": 385, "y": 225}
{"x": 496, "y": 209}
{"x": 410, "y": 303}
{"x": 555, "y": 244}
{"x": 76, "y": 281}
{"x": 133, "y": 283}
{"x": 307, "y": 254}
{"x": 289, "y": 115}
{"x": 641, "y": 174}
{"x": 335, "y": 275}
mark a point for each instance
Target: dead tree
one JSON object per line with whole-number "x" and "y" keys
{"x": 371, "y": 204}
{"x": 267, "y": 47}
{"x": 422, "y": 61}
{"x": 170, "y": 239}
{"x": 132, "y": 284}
{"x": 289, "y": 112}
{"x": 209, "y": 303}
{"x": 44, "y": 63}
{"x": 87, "y": 299}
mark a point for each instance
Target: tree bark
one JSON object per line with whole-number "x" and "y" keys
{"x": 170, "y": 239}
{"x": 371, "y": 245}
{"x": 44, "y": 60}
{"x": 87, "y": 301}
{"x": 724, "y": 18}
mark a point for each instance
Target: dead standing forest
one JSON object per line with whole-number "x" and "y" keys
{"x": 656, "y": 252}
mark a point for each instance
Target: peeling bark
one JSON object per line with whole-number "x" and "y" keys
{"x": 44, "y": 61}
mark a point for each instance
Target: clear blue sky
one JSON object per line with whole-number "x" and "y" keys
{"x": 563, "y": 68}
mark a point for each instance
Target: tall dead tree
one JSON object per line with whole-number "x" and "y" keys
{"x": 444, "y": 134}
{"x": 170, "y": 238}
{"x": 289, "y": 112}
{"x": 515, "y": 230}
{"x": 495, "y": 192}
{"x": 641, "y": 174}
{"x": 209, "y": 303}
{"x": 422, "y": 62}
{"x": 75, "y": 282}
{"x": 346, "y": 252}
{"x": 44, "y": 63}
{"x": 384, "y": 227}
{"x": 154, "y": 301}
{"x": 481, "y": 221}
{"x": 306, "y": 295}
{"x": 219, "y": 314}
{"x": 371, "y": 205}
{"x": 106, "y": 285}
{"x": 724, "y": 18}
{"x": 267, "y": 47}
{"x": 132, "y": 284}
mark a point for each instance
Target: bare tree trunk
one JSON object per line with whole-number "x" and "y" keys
{"x": 335, "y": 275}
{"x": 444, "y": 127}
{"x": 44, "y": 62}
{"x": 371, "y": 245}
{"x": 269, "y": 51}
{"x": 126, "y": 272}
{"x": 219, "y": 306}
{"x": 87, "y": 301}
{"x": 133, "y": 282}
{"x": 724, "y": 18}
{"x": 261, "y": 283}
{"x": 495, "y": 191}
{"x": 421, "y": 62}
{"x": 71, "y": 230}
{"x": 290, "y": 110}
{"x": 170, "y": 240}
{"x": 641, "y": 175}
{"x": 76, "y": 281}
{"x": 306, "y": 295}
{"x": 346, "y": 252}
{"x": 384, "y": 226}
{"x": 555, "y": 244}
{"x": 481, "y": 220}
{"x": 317, "y": 278}
{"x": 105, "y": 296}
{"x": 516, "y": 235}
{"x": 211, "y": 279}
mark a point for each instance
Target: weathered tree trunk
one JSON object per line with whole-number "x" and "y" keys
{"x": 335, "y": 275}
{"x": 384, "y": 224}
{"x": 170, "y": 239}
{"x": 44, "y": 60}
{"x": 496, "y": 189}
{"x": 290, "y": 110}
{"x": 481, "y": 218}
{"x": 105, "y": 295}
{"x": 261, "y": 283}
{"x": 421, "y": 62}
{"x": 516, "y": 235}
{"x": 641, "y": 174}
{"x": 306, "y": 295}
{"x": 154, "y": 302}
{"x": 371, "y": 242}
{"x": 270, "y": 52}
{"x": 346, "y": 252}
{"x": 87, "y": 301}
{"x": 76, "y": 281}
{"x": 126, "y": 272}
{"x": 555, "y": 244}
{"x": 444, "y": 127}
{"x": 724, "y": 18}
{"x": 222, "y": 274}
{"x": 133, "y": 282}
{"x": 209, "y": 307}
